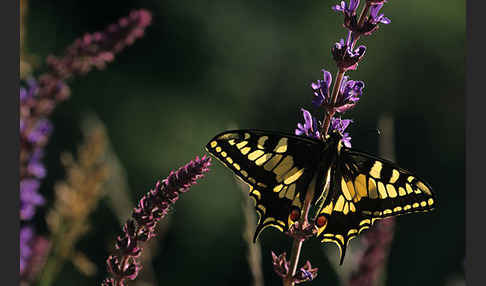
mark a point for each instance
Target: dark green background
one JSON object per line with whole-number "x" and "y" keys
{"x": 205, "y": 66}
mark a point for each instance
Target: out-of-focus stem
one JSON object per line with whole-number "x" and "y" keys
{"x": 254, "y": 255}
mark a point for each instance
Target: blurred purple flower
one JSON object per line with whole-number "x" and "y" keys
{"x": 34, "y": 132}
{"x": 345, "y": 58}
{"x": 40, "y": 132}
{"x": 35, "y": 251}
{"x": 99, "y": 48}
{"x": 39, "y": 98}
{"x": 150, "y": 209}
{"x": 26, "y": 235}
{"x": 340, "y": 125}
{"x": 321, "y": 88}
{"x": 310, "y": 127}
{"x": 29, "y": 198}
{"x": 376, "y": 246}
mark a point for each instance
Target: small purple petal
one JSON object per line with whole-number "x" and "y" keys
{"x": 345, "y": 123}
{"x": 341, "y": 42}
{"x": 353, "y": 5}
{"x": 307, "y": 119}
{"x": 340, "y": 125}
{"x": 360, "y": 51}
{"x": 375, "y": 18}
{"x": 344, "y": 82}
{"x": 337, "y": 8}
{"x": 347, "y": 140}
{"x": 321, "y": 89}
{"x": 385, "y": 20}
{"x": 317, "y": 100}
{"x": 309, "y": 128}
{"x": 327, "y": 77}
{"x": 374, "y": 10}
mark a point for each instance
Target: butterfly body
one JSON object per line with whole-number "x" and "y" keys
{"x": 352, "y": 189}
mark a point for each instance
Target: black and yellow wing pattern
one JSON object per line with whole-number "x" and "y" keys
{"x": 364, "y": 189}
{"x": 278, "y": 167}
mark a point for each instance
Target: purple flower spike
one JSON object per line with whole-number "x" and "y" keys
{"x": 150, "y": 209}
{"x": 321, "y": 89}
{"x": 351, "y": 19}
{"x": 310, "y": 127}
{"x": 26, "y": 235}
{"x": 97, "y": 49}
{"x": 29, "y": 198}
{"x": 345, "y": 58}
{"x": 339, "y": 125}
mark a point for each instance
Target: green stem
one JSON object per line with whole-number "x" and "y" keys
{"x": 53, "y": 261}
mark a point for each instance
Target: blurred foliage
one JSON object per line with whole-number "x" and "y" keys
{"x": 204, "y": 65}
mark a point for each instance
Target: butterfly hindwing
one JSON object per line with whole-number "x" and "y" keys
{"x": 366, "y": 188}
{"x": 389, "y": 191}
{"x": 278, "y": 167}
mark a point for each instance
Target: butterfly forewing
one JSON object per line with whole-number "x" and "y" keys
{"x": 366, "y": 188}
{"x": 278, "y": 167}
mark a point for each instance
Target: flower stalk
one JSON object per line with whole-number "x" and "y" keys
{"x": 345, "y": 93}
{"x": 331, "y": 110}
{"x": 151, "y": 208}
{"x": 76, "y": 198}
{"x": 361, "y": 21}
